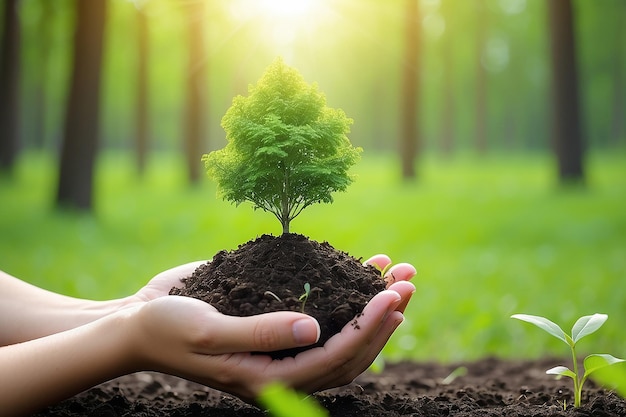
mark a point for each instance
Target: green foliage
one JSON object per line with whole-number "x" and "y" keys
{"x": 612, "y": 377}
{"x": 283, "y": 402}
{"x": 286, "y": 150}
{"x": 584, "y": 326}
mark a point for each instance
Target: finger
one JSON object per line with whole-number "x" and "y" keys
{"x": 260, "y": 333}
{"x": 400, "y": 272}
{"x": 319, "y": 367}
{"x": 362, "y": 356}
{"x": 393, "y": 320}
{"x": 406, "y": 290}
{"x": 379, "y": 261}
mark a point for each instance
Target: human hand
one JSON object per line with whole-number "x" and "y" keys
{"x": 189, "y": 338}
{"x": 161, "y": 284}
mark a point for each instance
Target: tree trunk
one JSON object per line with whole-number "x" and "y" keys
{"x": 196, "y": 107}
{"x": 409, "y": 135}
{"x": 568, "y": 137}
{"x": 80, "y": 141}
{"x": 38, "y": 109}
{"x": 143, "y": 130}
{"x": 618, "y": 122}
{"x": 480, "y": 133}
{"x": 446, "y": 141}
{"x": 9, "y": 86}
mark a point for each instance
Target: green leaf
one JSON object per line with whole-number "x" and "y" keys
{"x": 386, "y": 269}
{"x": 587, "y": 325}
{"x": 612, "y": 377}
{"x": 283, "y": 402}
{"x": 561, "y": 370}
{"x": 598, "y": 361}
{"x": 544, "y": 324}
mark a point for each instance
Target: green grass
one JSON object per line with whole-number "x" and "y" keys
{"x": 490, "y": 237}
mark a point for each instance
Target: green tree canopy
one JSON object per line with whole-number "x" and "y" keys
{"x": 286, "y": 150}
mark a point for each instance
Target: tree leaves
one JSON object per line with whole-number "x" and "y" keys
{"x": 286, "y": 150}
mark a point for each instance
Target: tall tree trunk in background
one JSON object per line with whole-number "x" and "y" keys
{"x": 143, "y": 129}
{"x": 446, "y": 142}
{"x": 409, "y": 134}
{"x": 44, "y": 46}
{"x": 568, "y": 136}
{"x": 480, "y": 133}
{"x": 618, "y": 123}
{"x": 80, "y": 141}
{"x": 196, "y": 107}
{"x": 9, "y": 86}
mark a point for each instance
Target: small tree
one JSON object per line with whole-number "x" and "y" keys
{"x": 286, "y": 150}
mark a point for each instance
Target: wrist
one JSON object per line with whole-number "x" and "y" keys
{"x": 88, "y": 355}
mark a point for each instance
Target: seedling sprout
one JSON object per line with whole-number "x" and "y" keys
{"x": 584, "y": 326}
{"x": 305, "y": 296}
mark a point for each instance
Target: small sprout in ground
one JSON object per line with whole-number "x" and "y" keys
{"x": 274, "y": 296}
{"x": 583, "y": 327}
{"x": 305, "y": 296}
{"x": 383, "y": 271}
{"x": 458, "y": 372}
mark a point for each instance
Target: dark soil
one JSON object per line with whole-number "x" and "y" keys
{"x": 269, "y": 273}
{"x": 491, "y": 387}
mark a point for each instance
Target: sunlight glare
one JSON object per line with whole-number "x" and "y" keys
{"x": 285, "y": 9}
{"x": 284, "y": 20}
{"x": 294, "y": 11}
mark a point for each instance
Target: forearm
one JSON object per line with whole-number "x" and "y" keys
{"x": 44, "y": 371}
{"x": 28, "y": 312}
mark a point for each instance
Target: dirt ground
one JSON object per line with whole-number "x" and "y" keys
{"x": 491, "y": 387}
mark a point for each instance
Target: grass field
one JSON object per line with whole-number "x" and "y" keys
{"x": 490, "y": 237}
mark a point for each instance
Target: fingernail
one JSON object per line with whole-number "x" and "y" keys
{"x": 306, "y": 331}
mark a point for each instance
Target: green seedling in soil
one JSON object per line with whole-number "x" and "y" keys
{"x": 286, "y": 150}
{"x": 383, "y": 272}
{"x": 274, "y": 296}
{"x": 305, "y": 296}
{"x": 584, "y": 326}
{"x": 456, "y": 373}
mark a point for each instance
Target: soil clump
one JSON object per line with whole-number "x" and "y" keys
{"x": 269, "y": 273}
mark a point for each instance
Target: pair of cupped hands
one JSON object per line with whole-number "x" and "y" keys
{"x": 191, "y": 339}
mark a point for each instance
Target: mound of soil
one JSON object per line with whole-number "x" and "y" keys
{"x": 490, "y": 387}
{"x": 269, "y": 273}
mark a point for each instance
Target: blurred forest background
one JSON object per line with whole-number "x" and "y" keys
{"x": 439, "y": 75}
{"x": 476, "y": 117}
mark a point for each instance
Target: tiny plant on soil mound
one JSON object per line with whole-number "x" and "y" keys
{"x": 285, "y": 151}
{"x": 583, "y": 327}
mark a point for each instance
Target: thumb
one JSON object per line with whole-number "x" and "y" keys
{"x": 263, "y": 333}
